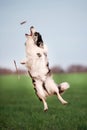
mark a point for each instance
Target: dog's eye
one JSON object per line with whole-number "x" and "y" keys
{"x": 35, "y": 34}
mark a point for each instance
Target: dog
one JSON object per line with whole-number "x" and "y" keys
{"x": 39, "y": 71}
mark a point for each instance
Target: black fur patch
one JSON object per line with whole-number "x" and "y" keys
{"x": 49, "y": 72}
{"x": 38, "y": 54}
{"x": 47, "y": 64}
{"x": 33, "y": 81}
{"x": 60, "y": 91}
{"x": 39, "y": 41}
{"x": 44, "y": 87}
{"x": 36, "y": 94}
{"x": 45, "y": 54}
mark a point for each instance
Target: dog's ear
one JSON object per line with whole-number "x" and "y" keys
{"x": 39, "y": 41}
{"x": 40, "y": 38}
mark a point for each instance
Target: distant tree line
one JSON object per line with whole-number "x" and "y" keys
{"x": 54, "y": 69}
{"x": 70, "y": 69}
{"x": 9, "y": 71}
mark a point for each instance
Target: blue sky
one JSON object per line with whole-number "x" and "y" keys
{"x": 62, "y": 23}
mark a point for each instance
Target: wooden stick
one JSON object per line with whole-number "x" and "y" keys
{"x": 16, "y": 69}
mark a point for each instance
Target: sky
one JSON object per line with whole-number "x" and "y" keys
{"x": 62, "y": 24}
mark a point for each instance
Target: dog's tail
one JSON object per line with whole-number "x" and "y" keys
{"x": 63, "y": 87}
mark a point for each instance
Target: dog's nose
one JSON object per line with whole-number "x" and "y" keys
{"x": 26, "y": 34}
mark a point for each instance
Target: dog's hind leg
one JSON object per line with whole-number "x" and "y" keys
{"x": 43, "y": 100}
{"x": 40, "y": 92}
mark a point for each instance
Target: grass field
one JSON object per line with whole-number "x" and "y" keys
{"x": 20, "y": 108}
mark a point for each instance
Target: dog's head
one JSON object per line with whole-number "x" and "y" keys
{"x": 38, "y": 39}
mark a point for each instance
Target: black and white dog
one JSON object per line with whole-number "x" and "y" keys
{"x": 38, "y": 68}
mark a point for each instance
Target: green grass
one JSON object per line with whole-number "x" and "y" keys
{"x": 20, "y": 108}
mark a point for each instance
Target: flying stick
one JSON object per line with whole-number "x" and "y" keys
{"x": 16, "y": 69}
{"x": 23, "y": 22}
